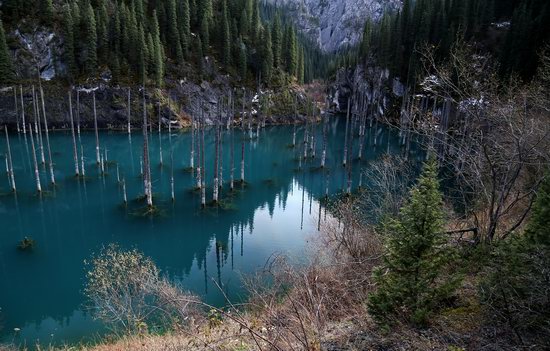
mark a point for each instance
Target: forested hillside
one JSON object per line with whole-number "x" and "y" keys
{"x": 513, "y": 31}
{"x": 143, "y": 41}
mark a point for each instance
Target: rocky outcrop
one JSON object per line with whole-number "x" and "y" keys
{"x": 334, "y": 24}
{"x": 372, "y": 82}
{"x": 178, "y": 102}
{"x": 36, "y": 50}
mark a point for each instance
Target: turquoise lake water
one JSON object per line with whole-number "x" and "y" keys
{"x": 276, "y": 213}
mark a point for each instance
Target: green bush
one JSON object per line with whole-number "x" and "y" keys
{"x": 413, "y": 280}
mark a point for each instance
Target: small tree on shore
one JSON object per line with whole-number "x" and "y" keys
{"x": 412, "y": 282}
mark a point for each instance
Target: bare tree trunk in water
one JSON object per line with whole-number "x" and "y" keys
{"x": 346, "y": 136}
{"x": 242, "y": 144}
{"x": 23, "y": 109}
{"x": 232, "y": 161}
{"x": 83, "y": 169}
{"x": 160, "y": 137}
{"x": 36, "y": 172}
{"x": 96, "y": 132}
{"x": 203, "y": 184}
{"x": 324, "y": 152}
{"x": 216, "y": 161}
{"x": 16, "y": 105}
{"x": 10, "y": 163}
{"x": 295, "y": 120}
{"x": 78, "y": 113}
{"x": 124, "y": 191}
{"x": 192, "y": 157}
{"x": 199, "y": 168}
{"x": 129, "y": 127}
{"x": 172, "y": 176}
{"x": 147, "y": 169}
{"x": 75, "y": 152}
{"x": 50, "y": 161}
{"x": 38, "y": 126}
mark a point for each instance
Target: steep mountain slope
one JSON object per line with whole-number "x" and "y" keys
{"x": 334, "y": 24}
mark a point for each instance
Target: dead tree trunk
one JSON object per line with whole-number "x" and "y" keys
{"x": 96, "y": 131}
{"x": 50, "y": 161}
{"x": 129, "y": 127}
{"x": 10, "y": 163}
{"x": 22, "y": 110}
{"x": 147, "y": 169}
{"x": 75, "y": 152}
{"x": 36, "y": 172}
{"x": 346, "y": 136}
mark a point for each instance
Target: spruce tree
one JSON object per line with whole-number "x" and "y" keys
{"x": 226, "y": 35}
{"x": 538, "y": 229}
{"x": 158, "y": 57}
{"x": 411, "y": 281}
{"x": 301, "y": 66}
{"x": 277, "y": 38}
{"x": 174, "y": 36}
{"x": 291, "y": 52}
{"x": 6, "y": 68}
{"x": 244, "y": 22}
{"x": 200, "y": 56}
{"x": 46, "y": 11}
{"x": 267, "y": 55}
{"x": 205, "y": 34}
{"x": 102, "y": 33}
{"x": 90, "y": 40}
{"x": 69, "y": 49}
{"x": 255, "y": 23}
{"x": 242, "y": 59}
{"x": 184, "y": 22}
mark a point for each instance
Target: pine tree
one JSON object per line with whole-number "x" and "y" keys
{"x": 538, "y": 229}
{"x": 205, "y": 34}
{"x": 46, "y": 11}
{"x": 173, "y": 32}
{"x": 291, "y": 54}
{"x": 277, "y": 38}
{"x": 6, "y": 68}
{"x": 267, "y": 55}
{"x": 244, "y": 22}
{"x": 90, "y": 40}
{"x": 255, "y": 23}
{"x": 411, "y": 282}
{"x": 242, "y": 59}
{"x": 301, "y": 66}
{"x": 184, "y": 22}
{"x": 68, "y": 35}
{"x": 226, "y": 35}
{"x": 200, "y": 56}
{"x": 158, "y": 57}
{"x": 141, "y": 62}
{"x": 102, "y": 33}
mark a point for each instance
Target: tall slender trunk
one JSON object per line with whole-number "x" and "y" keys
{"x": 192, "y": 156}
{"x": 38, "y": 126}
{"x": 172, "y": 176}
{"x": 10, "y": 163}
{"x": 78, "y": 113}
{"x": 129, "y": 127}
{"x": 96, "y": 131}
{"x": 50, "y": 161}
{"x": 160, "y": 137}
{"x": 146, "y": 170}
{"x": 22, "y": 110}
{"x": 75, "y": 152}
{"x": 16, "y": 105}
{"x": 242, "y": 143}
{"x": 203, "y": 166}
{"x": 346, "y": 136}
{"x": 216, "y": 162}
{"x": 324, "y": 152}
{"x": 124, "y": 191}
{"x": 83, "y": 168}
{"x": 199, "y": 168}
{"x": 36, "y": 172}
{"x": 232, "y": 151}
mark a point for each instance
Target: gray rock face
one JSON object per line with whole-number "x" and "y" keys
{"x": 37, "y": 50}
{"x": 335, "y": 24}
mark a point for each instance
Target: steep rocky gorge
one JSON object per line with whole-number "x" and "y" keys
{"x": 334, "y": 24}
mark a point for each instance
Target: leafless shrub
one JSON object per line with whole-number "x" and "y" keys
{"x": 295, "y": 304}
{"x": 126, "y": 291}
{"x": 496, "y": 141}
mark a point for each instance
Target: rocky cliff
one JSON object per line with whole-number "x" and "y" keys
{"x": 334, "y": 24}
